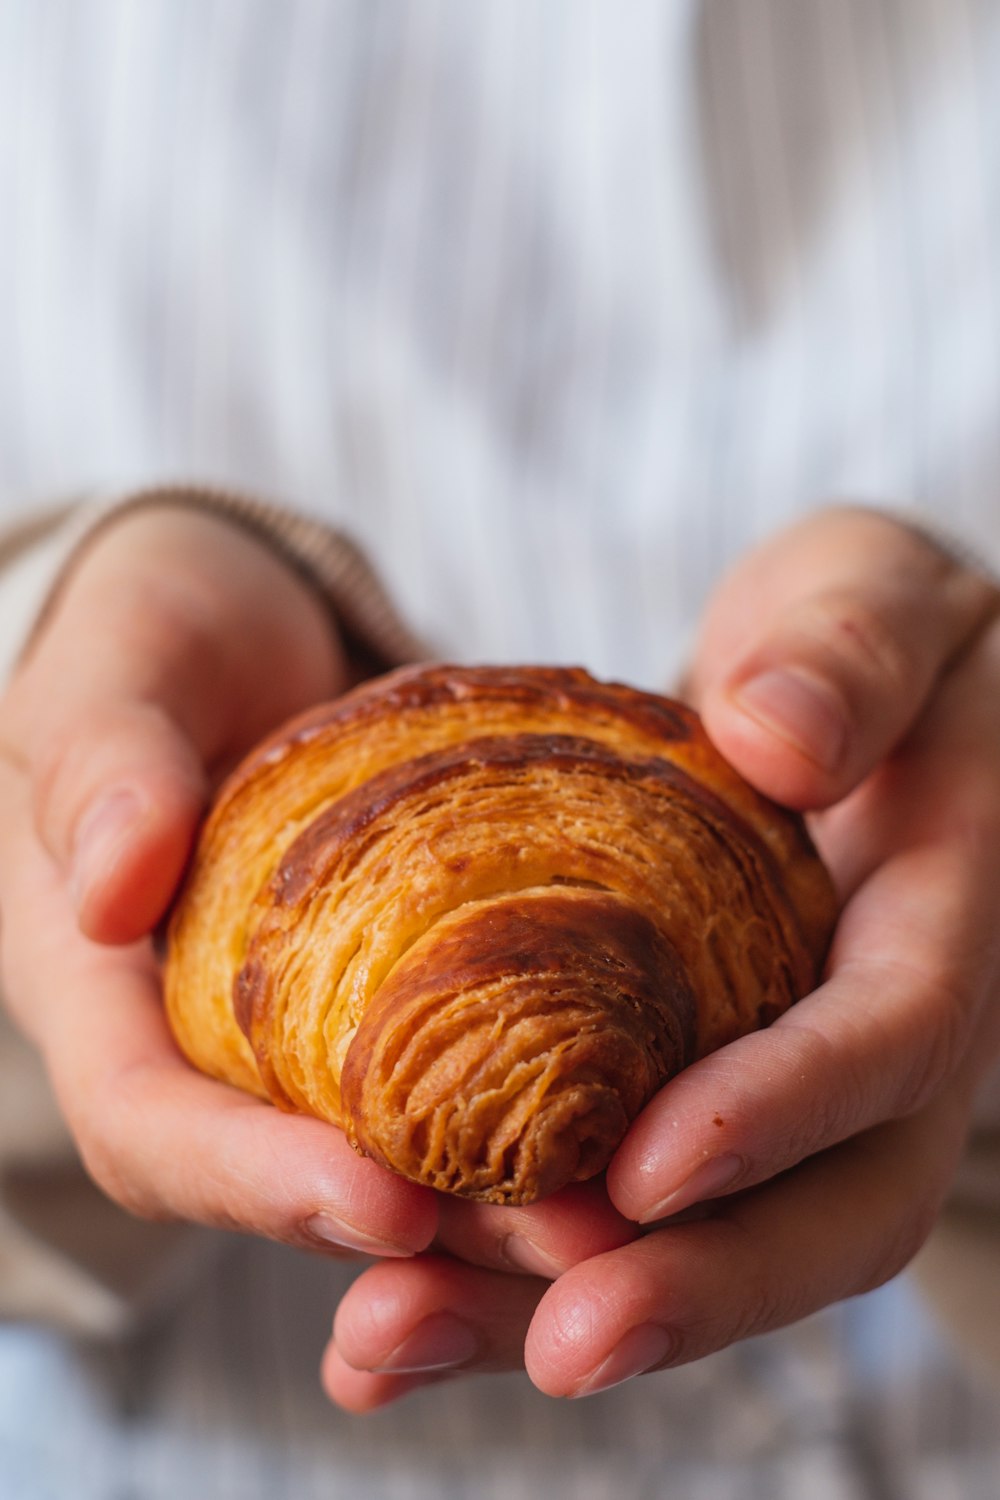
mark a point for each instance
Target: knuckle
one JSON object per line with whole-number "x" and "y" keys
{"x": 120, "y": 1148}
{"x": 55, "y": 760}
{"x": 108, "y": 1167}
{"x": 855, "y": 636}
{"x": 763, "y": 1306}
{"x": 888, "y": 1062}
{"x": 80, "y": 756}
{"x": 59, "y": 772}
{"x": 944, "y": 1017}
{"x": 762, "y": 1299}
{"x": 894, "y": 1254}
{"x": 109, "y": 1139}
{"x": 824, "y": 1114}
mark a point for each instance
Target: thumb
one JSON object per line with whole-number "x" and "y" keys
{"x": 118, "y": 792}
{"x": 822, "y": 647}
{"x": 177, "y": 643}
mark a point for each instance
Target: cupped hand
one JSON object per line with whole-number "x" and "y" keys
{"x": 178, "y": 641}
{"x": 850, "y": 667}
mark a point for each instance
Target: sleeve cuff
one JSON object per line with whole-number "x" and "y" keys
{"x": 40, "y": 556}
{"x": 34, "y": 551}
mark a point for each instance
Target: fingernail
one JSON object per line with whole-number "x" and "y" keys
{"x": 100, "y": 834}
{"x": 637, "y": 1352}
{"x": 706, "y": 1181}
{"x": 801, "y": 708}
{"x": 525, "y": 1256}
{"x": 329, "y": 1231}
{"x": 440, "y": 1342}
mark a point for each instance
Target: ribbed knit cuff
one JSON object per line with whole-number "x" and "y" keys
{"x": 328, "y": 560}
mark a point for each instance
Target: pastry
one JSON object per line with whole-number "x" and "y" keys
{"x": 477, "y": 917}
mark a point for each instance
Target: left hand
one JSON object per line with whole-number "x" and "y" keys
{"x": 850, "y": 667}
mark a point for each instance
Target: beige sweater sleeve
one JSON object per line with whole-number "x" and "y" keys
{"x": 68, "y": 1255}
{"x": 39, "y": 553}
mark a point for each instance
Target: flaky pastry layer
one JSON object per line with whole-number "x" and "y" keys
{"x": 478, "y": 916}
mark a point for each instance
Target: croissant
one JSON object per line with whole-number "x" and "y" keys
{"x": 478, "y": 916}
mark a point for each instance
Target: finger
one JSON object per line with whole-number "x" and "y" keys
{"x": 915, "y": 955}
{"x": 357, "y": 1391}
{"x": 434, "y": 1320}
{"x": 879, "y": 1039}
{"x": 819, "y": 651}
{"x": 440, "y": 1317}
{"x": 177, "y": 643}
{"x": 837, "y": 1226}
{"x": 539, "y": 1239}
{"x": 118, "y": 793}
{"x": 164, "y": 1142}
{"x": 160, "y": 1139}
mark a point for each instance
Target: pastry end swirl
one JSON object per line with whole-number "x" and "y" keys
{"x": 510, "y": 1049}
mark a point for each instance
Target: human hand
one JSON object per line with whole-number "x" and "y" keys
{"x": 177, "y": 643}
{"x": 824, "y": 1146}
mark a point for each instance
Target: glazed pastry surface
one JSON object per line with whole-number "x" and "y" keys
{"x": 478, "y": 916}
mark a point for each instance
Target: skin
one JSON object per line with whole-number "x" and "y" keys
{"x": 798, "y": 1166}
{"x": 176, "y": 644}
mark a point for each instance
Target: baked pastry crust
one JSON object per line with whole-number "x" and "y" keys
{"x": 478, "y": 916}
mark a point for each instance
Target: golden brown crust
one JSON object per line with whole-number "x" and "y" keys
{"x": 514, "y": 1043}
{"x": 445, "y": 845}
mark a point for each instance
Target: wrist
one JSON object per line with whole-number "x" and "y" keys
{"x": 367, "y": 623}
{"x": 201, "y": 590}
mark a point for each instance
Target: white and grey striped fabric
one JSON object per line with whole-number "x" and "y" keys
{"x": 557, "y": 305}
{"x": 222, "y": 1403}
